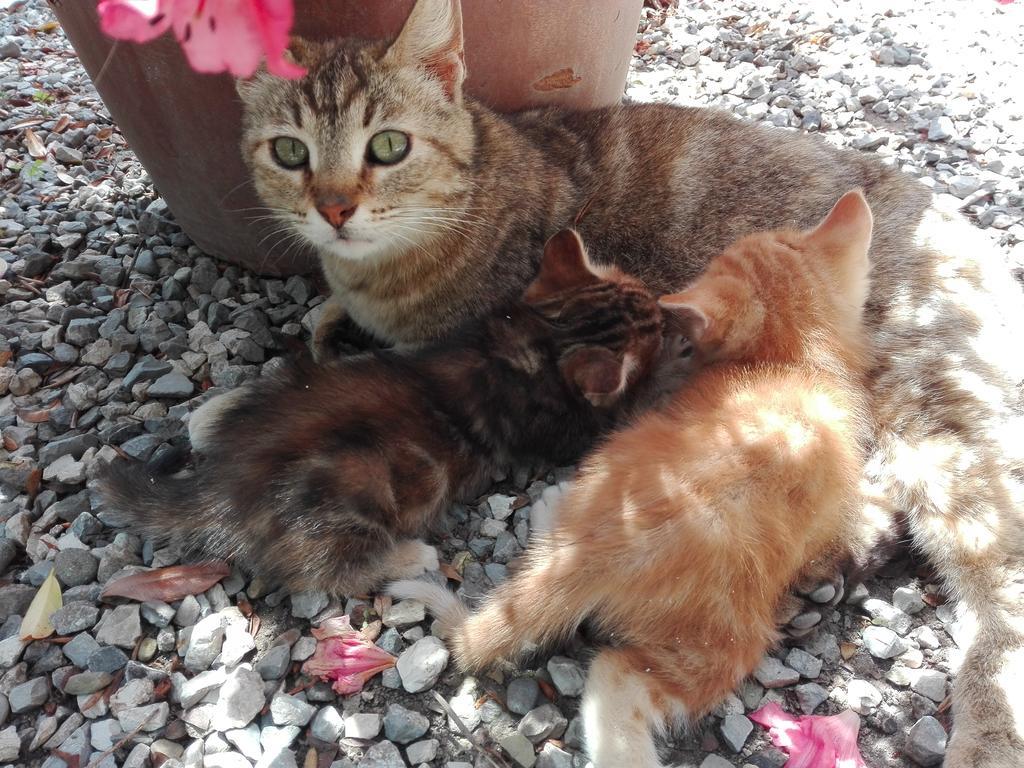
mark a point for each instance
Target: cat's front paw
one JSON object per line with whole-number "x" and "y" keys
{"x": 336, "y": 335}
{"x": 806, "y": 606}
{"x": 544, "y": 512}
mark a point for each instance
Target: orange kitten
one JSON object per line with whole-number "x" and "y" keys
{"x": 684, "y": 532}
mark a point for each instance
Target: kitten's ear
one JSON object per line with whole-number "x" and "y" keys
{"x": 846, "y": 231}
{"x": 300, "y": 52}
{"x": 431, "y": 40}
{"x": 597, "y": 373}
{"x": 683, "y": 314}
{"x": 564, "y": 265}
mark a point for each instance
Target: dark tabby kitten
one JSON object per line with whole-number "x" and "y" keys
{"x": 325, "y": 476}
{"x": 428, "y": 209}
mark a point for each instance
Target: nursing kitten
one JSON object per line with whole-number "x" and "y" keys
{"x": 428, "y": 209}
{"x": 683, "y": 534}
{"x": 325, "y": 476}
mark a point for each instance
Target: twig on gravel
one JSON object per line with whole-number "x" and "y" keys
{"x": 489, "y": 754}
{"x": 127, "y": 737}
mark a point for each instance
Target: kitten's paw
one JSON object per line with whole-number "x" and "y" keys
{"x": 411, "y": 559}
{"x": 804, "y": 611}
{"x": 203, "y": 421}
{"x": 544, "y": 512}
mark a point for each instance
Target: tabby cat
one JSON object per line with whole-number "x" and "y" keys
{"x": 324, "y": 476}
{"x": 745, "y": 477}
{"x": 428, "y": 209}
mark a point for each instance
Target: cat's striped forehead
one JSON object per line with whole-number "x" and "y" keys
{"x": 612, "y": 313}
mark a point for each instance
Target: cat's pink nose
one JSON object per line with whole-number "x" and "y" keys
{"x": 336, "y": 210}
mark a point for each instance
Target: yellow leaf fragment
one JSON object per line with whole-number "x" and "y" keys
{"x": 36, "y": 624}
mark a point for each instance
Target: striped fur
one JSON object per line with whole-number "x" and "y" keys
{"x": 458, "y": 227}
{"x": 324, "y": 476}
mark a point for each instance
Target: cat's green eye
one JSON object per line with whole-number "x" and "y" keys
{"x": 290, "y": 152}
{"x": 388, "y": 147}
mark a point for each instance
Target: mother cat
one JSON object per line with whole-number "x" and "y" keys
{"x": 428, "y": 209}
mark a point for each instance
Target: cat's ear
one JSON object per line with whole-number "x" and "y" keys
{"x": 564, "y": 265}
{"x": 431, "y": 41}
{"x": 846, "y": 231}
{"x": 685, "y": 315}
{"x": 597, "y": 374}
{"x": 300, "y": 52}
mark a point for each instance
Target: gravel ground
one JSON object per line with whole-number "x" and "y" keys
{"x": 114, "y": 327}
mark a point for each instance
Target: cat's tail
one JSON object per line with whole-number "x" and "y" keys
{"x": 152, "y": 501}
{"x": 541, "y": 605}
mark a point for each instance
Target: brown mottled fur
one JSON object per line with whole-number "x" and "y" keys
{"x": 668, "y": 188}
{"x": 323, "y": 476}
{"x": 749, "y": 474}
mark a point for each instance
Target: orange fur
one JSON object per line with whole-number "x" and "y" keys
{"x": 684, "y": 532}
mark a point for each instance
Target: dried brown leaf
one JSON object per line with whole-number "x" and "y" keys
{"x": 450, "y": 572}
{"x": 62, "y": 124}
{"x": 33, "y": 483}
{"x": 104, "y": 133}
{"x": 848, "y": 650}
{"x": 34, "y": 144}
{"x": 35, "y": 417}
{"x": 5, "y": 357}
{"x": 168, "y": 584}
{"x": 548, "y": 689}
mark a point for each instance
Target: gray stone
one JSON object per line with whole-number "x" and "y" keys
{"x": 926, "y": 742}
{"x": 275, "y": 662}
{"x": 80, "y": 649}
{"x": 772, "y": 673}
{"x": 276, "y": 738}
{"x": 86, "y": 682}
{"x": 404, "y": 614}
{"x": 518, "y": 747}
{"x": 941, "y": 129}
{"x": 554, "y": 757}
{"x": 247, "y": 741}
{"x": 810, "y": 696}
{"x": 384, "y": 754}
{"x": 714, "y": 761}
{"x": 204, "y": 643}
{"x": 29, "y": 695}
{"x": 157, "y": 613}
{"x": 962, "y": 186}
{"x": 195, "y": 688}
{"x": 422, "y": 663}
{"x": 521, "y": 695}
{"x": 120, "y": 626}
{"x": 75, "y": 567}
{"x": 174, "y": 385}
{"x": 422, "y": 751}
{"x": 307, "y": 604}
{"x": 104, "y": 734}
{"x": 10, "y": 742}
{"x": 328, "y": 725}
{"x": 567, "y": 675}
{"x": 403, "y": 725}
{"x": 74, "y": 617}
{"x": 289, "y": 710}
{"x": 148, "y": 718}
{"x": 362, "y": 726}
{"x": 544, "y": 722}
{"x": 862, "y": 697}
{"x": 735, "y": 730}
{"x": 804, "y": 663}
{"x": 239, "y": 700}
{"x": 930, "y": 683}
{"x": 882, "y": 643}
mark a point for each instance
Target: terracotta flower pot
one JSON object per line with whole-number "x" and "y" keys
{"x": 185, "y": 126}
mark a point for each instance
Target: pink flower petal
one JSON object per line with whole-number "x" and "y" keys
{"x": 216, "y": 35}
{"x": 813, "y": 741}
{"x": 137, "y": 20}
{"x": 344, "y": 656}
